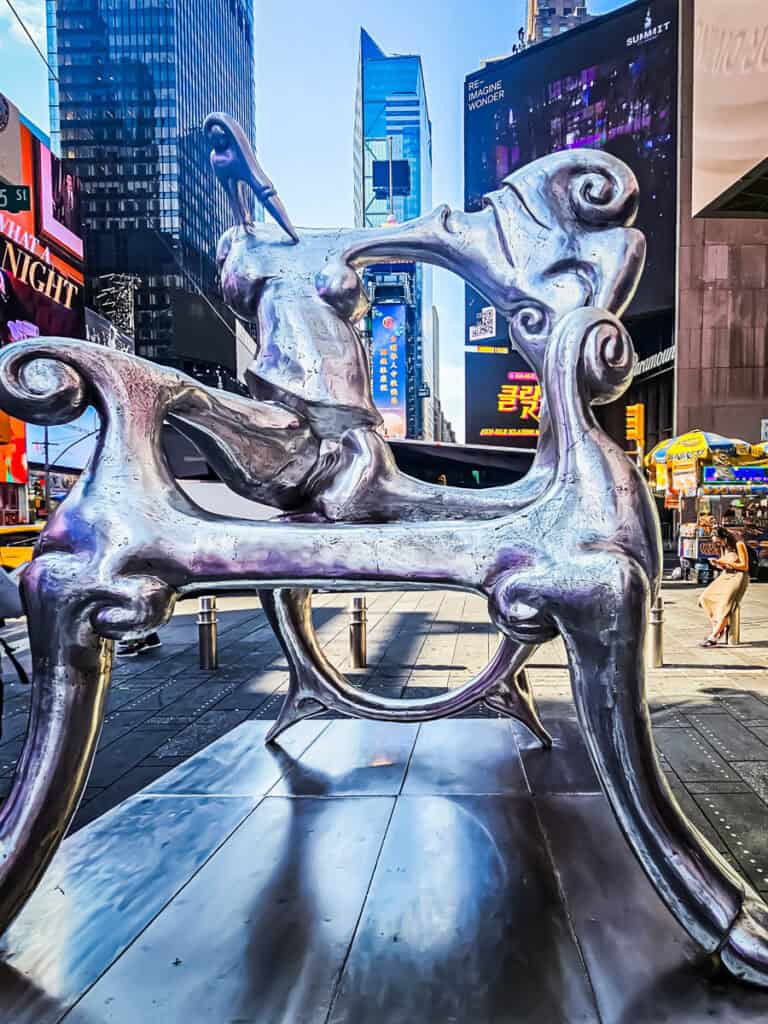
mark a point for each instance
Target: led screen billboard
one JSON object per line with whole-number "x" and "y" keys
{"x": 388, "y": 334}
{"x": 506, "y": 404}
{"x": 611, "y": 85}
{"x": 13, "y": 450}
{"x": 41, "y": 272}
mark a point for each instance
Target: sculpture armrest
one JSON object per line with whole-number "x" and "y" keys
{"x": 260, "y": 449}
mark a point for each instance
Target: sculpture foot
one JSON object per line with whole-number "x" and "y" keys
{"x": 514, "y": 699}
{"x": 293, "y": 710}
{"x": 744, "y": 954}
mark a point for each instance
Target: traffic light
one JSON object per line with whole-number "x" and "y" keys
{"x": 636, "y": 424}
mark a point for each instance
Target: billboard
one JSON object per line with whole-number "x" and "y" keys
{"x": 730, "y": 98}
{"x": 41, "y": 273}
{"x": 506, "y": 403}
{"x": 13, "y": 450}
{"x": 612, "y": 85}
{"x": 388, "y": 335}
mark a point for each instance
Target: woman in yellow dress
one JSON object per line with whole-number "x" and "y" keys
{"x": 725, "y": 593}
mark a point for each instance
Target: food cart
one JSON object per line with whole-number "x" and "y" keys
{"x": 711, "y": 481}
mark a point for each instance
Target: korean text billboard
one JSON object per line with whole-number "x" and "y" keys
{"x": 506, "y": 403}
{"x": 388, "y": 336}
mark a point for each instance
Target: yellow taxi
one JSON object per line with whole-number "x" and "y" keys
{"x": 17, "y": 543}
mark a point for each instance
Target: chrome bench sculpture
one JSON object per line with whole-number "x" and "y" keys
{"x": 555, "y": 251}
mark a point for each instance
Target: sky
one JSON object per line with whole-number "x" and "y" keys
{"x": 306, "y": 72}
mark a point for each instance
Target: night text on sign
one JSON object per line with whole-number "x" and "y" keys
{"x": 40, "y": 276}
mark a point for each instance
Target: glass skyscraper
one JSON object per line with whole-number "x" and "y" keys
{"x": 393, "y": 183}
{"x": 136, "y": 81}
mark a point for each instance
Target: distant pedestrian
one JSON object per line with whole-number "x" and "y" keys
{"x": 726, "y": 592}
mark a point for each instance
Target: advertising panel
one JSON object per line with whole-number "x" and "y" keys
{"x": 41, "y": 277}
{"x": 388, "y": 336}
{"x": 13, "y": 450}
{"x": 730, "y": 96}
{"x": 503, "y": 404}
{"x": 609, "y": 85}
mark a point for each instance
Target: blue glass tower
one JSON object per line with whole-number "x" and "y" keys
{"x": 136, "y": 81}
{"x": 393, "y": 183}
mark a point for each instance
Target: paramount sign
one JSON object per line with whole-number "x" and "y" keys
{"x": 650, "y": 31}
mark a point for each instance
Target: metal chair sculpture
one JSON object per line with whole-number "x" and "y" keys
{"x": 555, "y": 251}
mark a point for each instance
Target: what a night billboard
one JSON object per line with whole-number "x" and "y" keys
{"x": 609, "y": 85}
{"x": 41, "y": 259}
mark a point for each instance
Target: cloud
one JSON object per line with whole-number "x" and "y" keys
{"x": 32, "y": 13}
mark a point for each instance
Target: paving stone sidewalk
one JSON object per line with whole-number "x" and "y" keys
{"x": 710, "y": 706}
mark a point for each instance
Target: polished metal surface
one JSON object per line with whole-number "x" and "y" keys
{"x": 106, "y": 885}
{"x": 358, "y": 633}
{"x": 734, "y": 627}
{"x": 448, "y": 891}
{"x": 573, "y": 549}
{"x": 656, "y": 631}
{"x": 207, "y": 633}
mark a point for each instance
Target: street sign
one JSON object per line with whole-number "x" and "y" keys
{"x": 764, "y": 430}
{"x": 15, "y": 198}
{"x": 424, "y": 391}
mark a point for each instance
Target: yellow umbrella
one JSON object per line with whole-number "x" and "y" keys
{"x": 697, "y": 444}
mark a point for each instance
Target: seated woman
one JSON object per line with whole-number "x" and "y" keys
{"x": 726, "y": 592}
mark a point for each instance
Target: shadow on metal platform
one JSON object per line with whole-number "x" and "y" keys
{"x": 360, "y": 873}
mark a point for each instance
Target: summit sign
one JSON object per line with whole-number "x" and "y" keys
{"x": 650, "y": 31}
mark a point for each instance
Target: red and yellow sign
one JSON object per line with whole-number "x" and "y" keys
{"x": 13, "y": 450}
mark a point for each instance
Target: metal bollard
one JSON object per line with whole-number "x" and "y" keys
{"x": 734, "y": 627}
{"x": 657, "y": 633}
{"x": 358, "y": 633}
{"x": 207, "y": 633}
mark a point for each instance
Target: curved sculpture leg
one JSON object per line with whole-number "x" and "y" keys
{"x": 512, "y": 695}
{"x": 71, "y": 670}
{"x": 604, "y": 634}
{"x": 295, "y": 706}
{"x": 315, "y": 685}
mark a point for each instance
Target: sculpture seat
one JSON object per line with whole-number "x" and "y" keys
{"x": 573, "y": 550}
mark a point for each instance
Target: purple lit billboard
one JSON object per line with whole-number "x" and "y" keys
{"x": 388, "y": 375}
{"x": 610, "y": 84}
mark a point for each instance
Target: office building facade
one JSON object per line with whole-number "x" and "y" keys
{"x": 136, "y": 82}
{"x": 393, "y": 183}
{"x": 547, "y": 18}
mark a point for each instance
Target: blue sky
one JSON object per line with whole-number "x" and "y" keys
{"x": 306, "y": 73}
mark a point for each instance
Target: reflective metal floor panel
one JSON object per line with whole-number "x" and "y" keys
{"x": 361, "y": 873}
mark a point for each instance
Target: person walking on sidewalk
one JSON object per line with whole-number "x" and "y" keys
{"x": 725, "y": 593}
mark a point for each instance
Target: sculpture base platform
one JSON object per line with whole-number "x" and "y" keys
{"x": 361, "y": 873}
